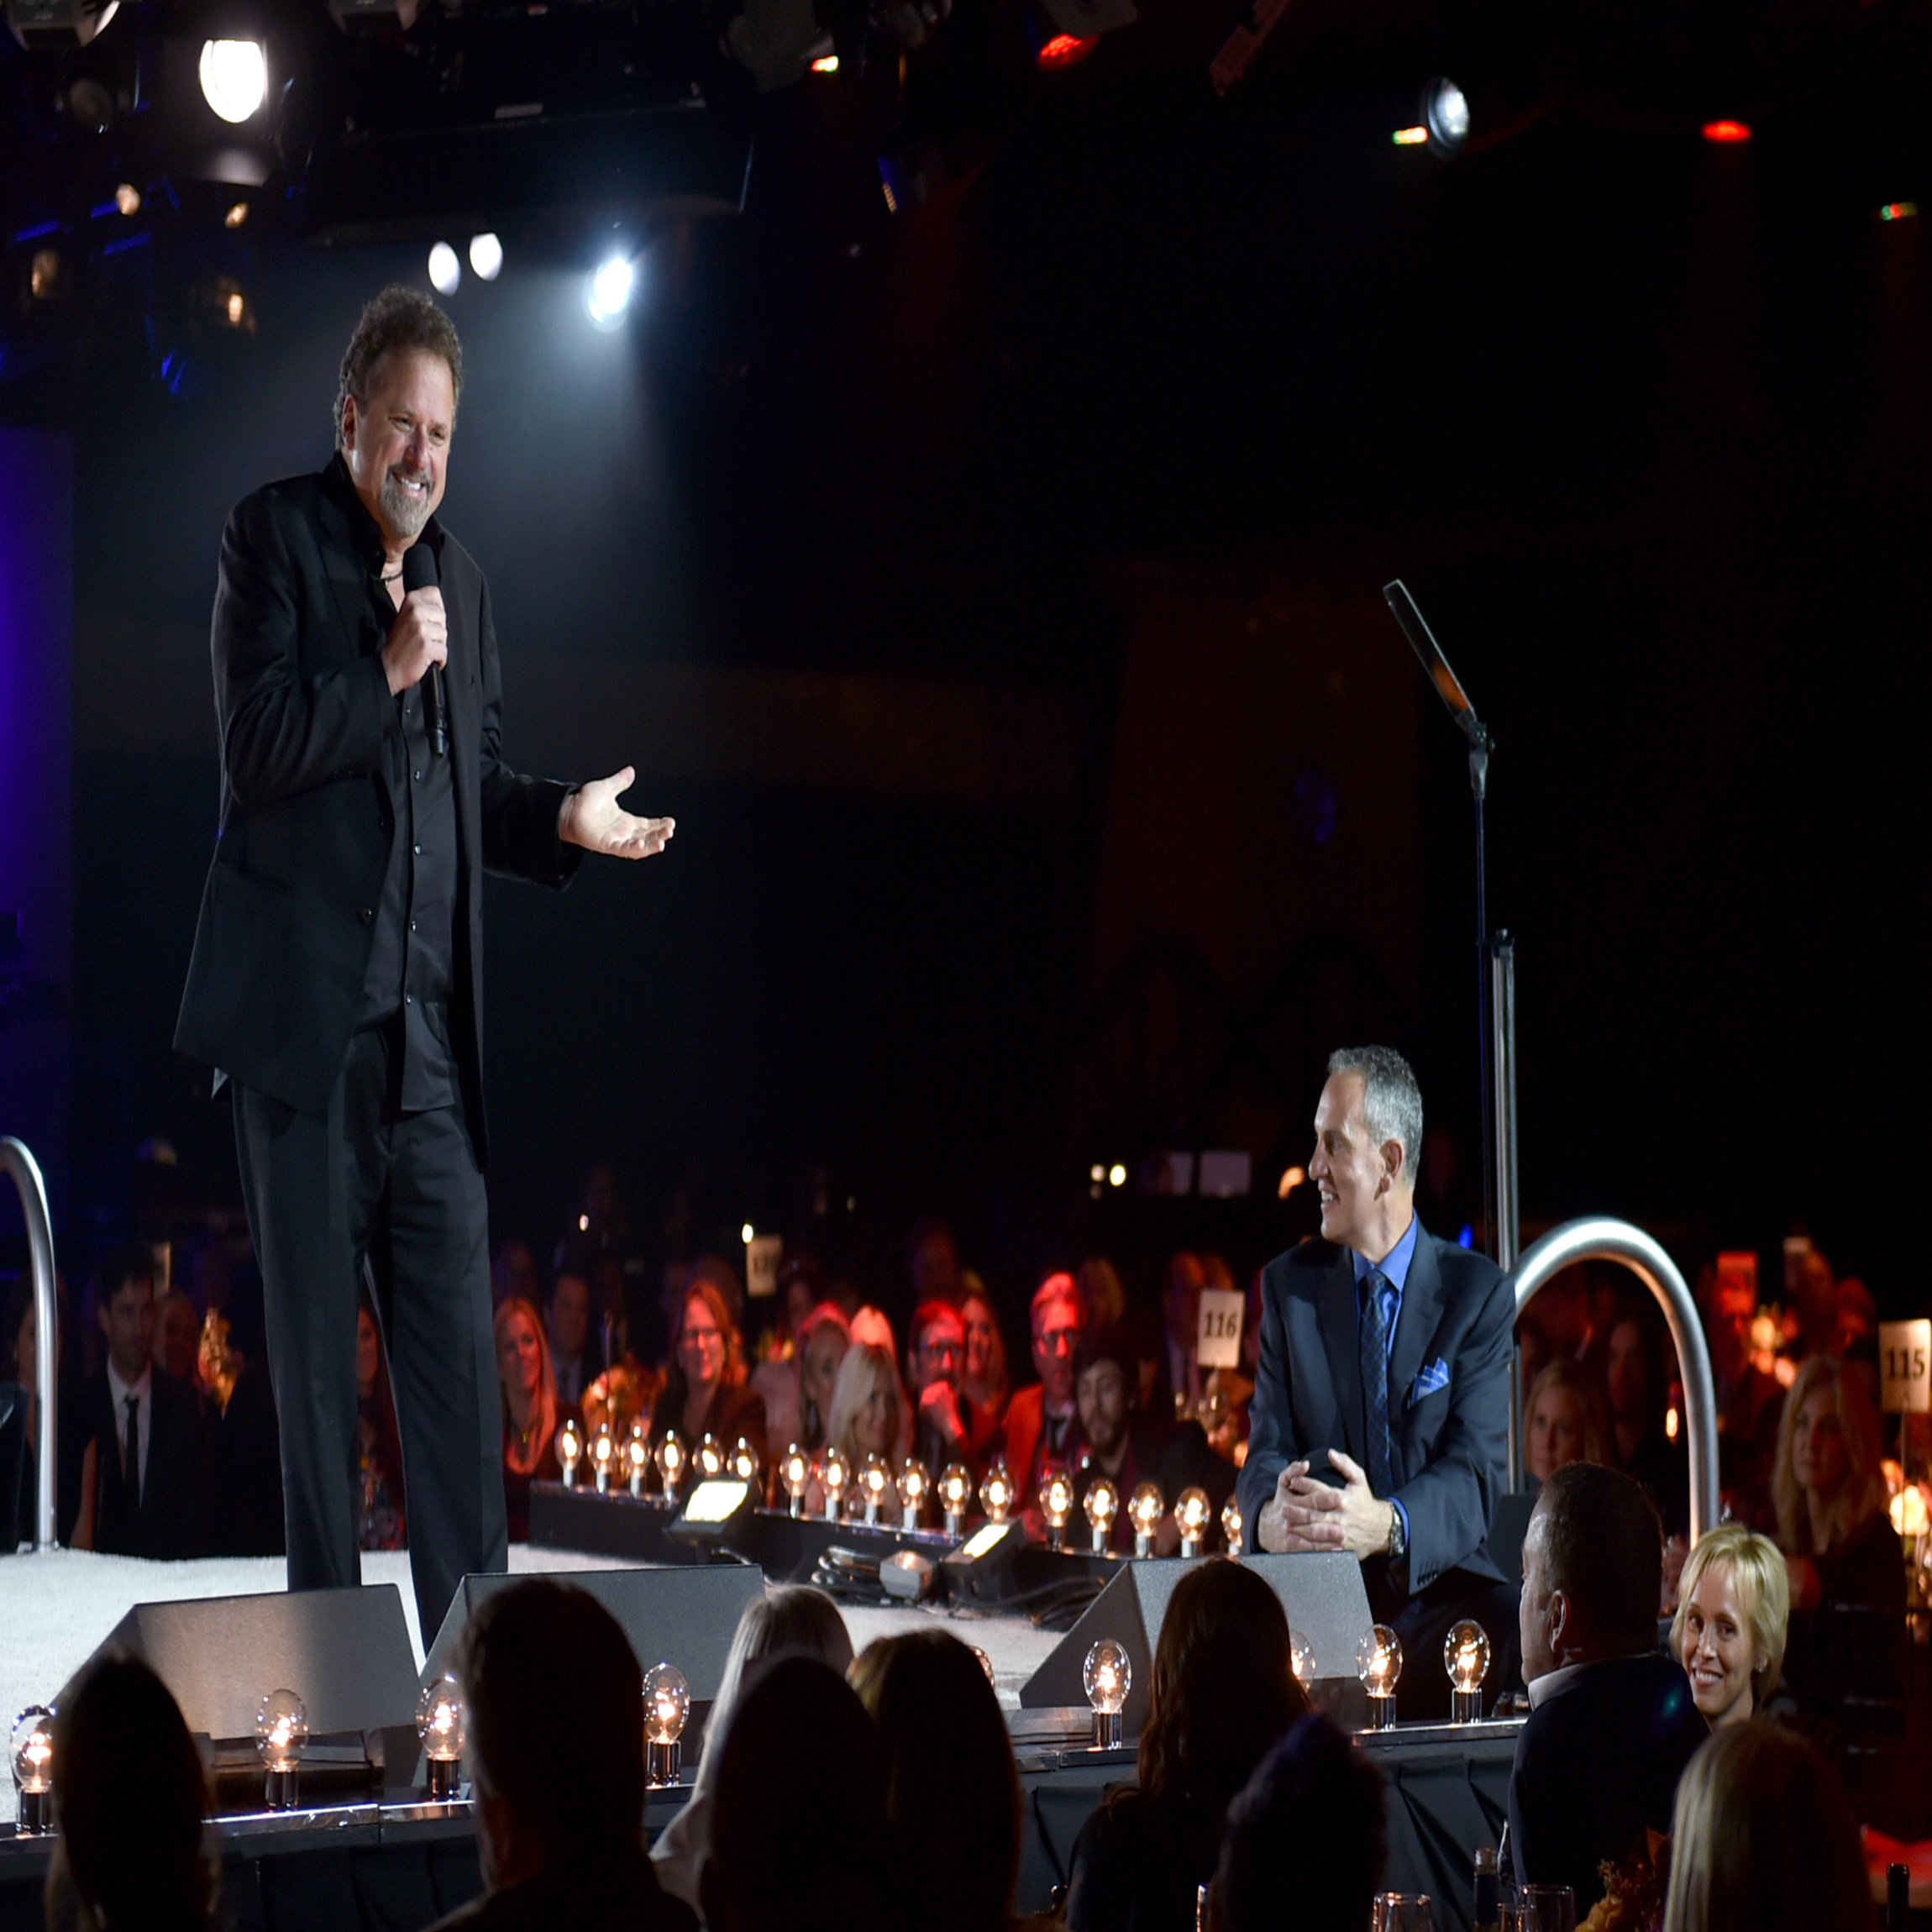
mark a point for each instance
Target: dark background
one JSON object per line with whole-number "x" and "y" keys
{"x": 992, "y": 594}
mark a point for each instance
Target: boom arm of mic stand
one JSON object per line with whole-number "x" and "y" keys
{"x": 1448, "y": 686}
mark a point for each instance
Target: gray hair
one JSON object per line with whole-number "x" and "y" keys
{"x": 1391, "y": 1100}
{"x": 399, "y": 318}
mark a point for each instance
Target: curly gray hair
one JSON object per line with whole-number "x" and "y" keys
{"x": 399, "y": 318}
{"x": 1391, "y": 1100}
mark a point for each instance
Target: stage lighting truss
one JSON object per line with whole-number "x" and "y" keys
{"x": 56, "y": 24}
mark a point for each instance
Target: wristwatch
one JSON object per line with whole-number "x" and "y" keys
{"x": 1398, "y": 1536}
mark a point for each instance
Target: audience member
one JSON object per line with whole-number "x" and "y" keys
{"x": 542, "y": 1662}
{"x": 947, "y": 1785}
{"x": 1829, "y": 1492}
{"x": 1180, "y": 1320}
{"x": 1101, "y": 1295}
{"x": 705, "y": 1394}
{"x": 1122, "y": 1447}
{"x": 1310, "y": 1825}
{"x": 781, "y": 1861}
{"x": 530, "y": 1410}
{"x": 1764, "y": 1841}
{"x": 823, "y": 1338}
{"x": 949, "y": 1428}
{"x": 599, "y": 1231}
{"x": 868, "y": 1406}
{"x": 514, "y": 1272}
{"x": 177, "y": 1336}
{"x": 1730, "y": 1629}
{"x": 1224, "y": 1692}
{"x": 1811, "y": 1296}
{"x": 774, "y": 1378}
{"x": 133, "y": 1852}
{"x": 789, "y": 1618}
{"x": 1749, "y": 1395}
{"x": 382, "y": 1521}
{"x": 1043, "y": 1420}
{"x": 143, "y": 1472}
{"x": 1630, "y": 1355}
{"x": 1612, "y": 1723}
{"x": 986, "y": 1383}
{"x": 576, "y": 1353}
{"x": 1565, "y": 1419}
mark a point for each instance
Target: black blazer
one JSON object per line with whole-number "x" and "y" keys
{"x": 305, "y": 713}
{"x": 1595, "y": 1765}
{"x": 1448, "y": 1394}
{"x": 173, "y": 1519}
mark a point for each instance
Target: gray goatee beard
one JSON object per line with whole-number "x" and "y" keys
{"x": 406, "y": 511}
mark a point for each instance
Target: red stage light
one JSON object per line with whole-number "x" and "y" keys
{"x": 1065, "y": 50}
{"x": 1725, "y": 132}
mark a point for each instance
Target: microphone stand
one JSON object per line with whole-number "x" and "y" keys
{"x": 1496, "y": 979}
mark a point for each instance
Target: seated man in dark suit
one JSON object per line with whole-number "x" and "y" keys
{"x": 546, "y": 1669}
{"x": 1381, "y": 1410}
{"x": 1612, "y": 1722}
{"x": 144, "y": 1471}
{"x": 1122, "y": 1446}
{"x": 1043, "y": 1420}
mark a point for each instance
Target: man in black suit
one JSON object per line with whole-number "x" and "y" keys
{"x": 143, "y": 1472}
{"x": 1381, "y": 1412}
{"x": 338, "y": 971}
{"x": 1612, "y": 1721}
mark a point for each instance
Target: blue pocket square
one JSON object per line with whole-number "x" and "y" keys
{"x": 1435, "y": 1376}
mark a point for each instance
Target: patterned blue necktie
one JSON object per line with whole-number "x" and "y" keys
{"x": 1375, "y": 1379}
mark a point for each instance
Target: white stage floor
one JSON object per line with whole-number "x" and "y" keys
{"x": 56, "y": 1607}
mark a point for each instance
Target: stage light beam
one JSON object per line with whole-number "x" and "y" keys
{"x": 445, "y": 271}
{"x": 486, "y": 256}
{"x": 234, "y": 77}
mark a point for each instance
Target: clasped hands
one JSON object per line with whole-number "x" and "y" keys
{"x": 1307, "y": 1514}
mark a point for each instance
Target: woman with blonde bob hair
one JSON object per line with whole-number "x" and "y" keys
{"x": 1733, "y": 1602}
{"x": 868, "y": 1404}
{"x": 1763, "y": 1840}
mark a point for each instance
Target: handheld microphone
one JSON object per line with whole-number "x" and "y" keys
{"x": 419, "y": 574}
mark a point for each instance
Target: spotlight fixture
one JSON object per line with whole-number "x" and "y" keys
{"x": 1301, "y": 1657}
{"x": 234, "y": 78}
{"x": 996, "y": 1491}
{"x": 485, "y": 257}
{"x": 955, "y": 1494}
{"x": 1726, "y": 133}
{"x": 875, "y": 1480}
{"x": 1102, "y": 1505}
{"x": 1192, "y": 1514}
{"x": 570, "y": 1451}
{"x": 49, "y": 275}
{"x": 236, "y": 216}
{"x": 671, "y": 1461}
{"x": 439, "y": 1723}
{"x": 1379, "y": 1664}
{"x": 1231, "y": 1526}
{"x": 1145, "y": 1512}
{"x": 667, "y": 1704}
{"x": 1107, "y": 1676}
{"x": 1466, "y": 1657}
{"x": 128, "y": 198}
{"x": 33, "y": 1743}
{"x": 834, "y": 1472}
{"x": 603, "y": 1457}
{"x": 1056, "y": 1500}
{"x": 794, "y": 1472}
{"x": 607, "y": 292}
{"x": 46, "y": 24}
{"x": 280, "y": 1730}
{"x": 913, "y": 1483}
{"x": 445, "y": 271}
{"x": 1445, "y": 114}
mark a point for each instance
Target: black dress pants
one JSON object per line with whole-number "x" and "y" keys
{"x": 403, "y": 1190}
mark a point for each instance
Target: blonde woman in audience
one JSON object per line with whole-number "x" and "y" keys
{"x": 869, "y": 1403}
{"x": 1763, "y": 1840}
{"x": 1730, "y": 1630}
{"x": 1829, "y": 1494}
{"x": 1566, "y": 1418}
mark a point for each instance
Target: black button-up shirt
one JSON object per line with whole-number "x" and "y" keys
{"x": 412, "y": 947}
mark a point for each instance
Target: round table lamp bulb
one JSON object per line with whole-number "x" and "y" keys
{"x": 1231, "y": 1526}
{"x": 667, "y": 1705}
{"x": 1301, "y": 1654}
{"x": 671, "y": 1461}
{"x": 913, "y": 1483}
{"x": 1107, "y": 1676}
{"x": 996, "y": 1491}
{"x": 955, "y": 1495}
{"x": 1379, "y": 1664}
{"x": 439, "y": 1723}
{"x": 794, "y": 1472}
{"x": 1145, "y": 1512}
{"x": 280, "y": 1730}
{"x": 1192, "y": 1514}
{"x": 33, "y": 1761}
{"x": 603, "y": 1457}
{"x": 834, "y": 1475}
{"x": 570, "y": 1451}
{"x": 1466, "y": 1658}
{"x": 1056, "y": 1500}
{"x": 1102, "y": 1505}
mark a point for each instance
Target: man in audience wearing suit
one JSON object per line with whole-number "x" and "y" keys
{"x": 1381, "y": 1412}
{"x": 1612, "y": 1722}
{"x": 144, "y": 1473}
{"x": 1043, "y": 1420}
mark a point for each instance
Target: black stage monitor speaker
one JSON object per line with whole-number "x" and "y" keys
{"x": 1321, "y": 1592}
{"x": 345, "y": 1653}
{"x": 685, "y": 1614}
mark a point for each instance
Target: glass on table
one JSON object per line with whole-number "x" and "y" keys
{"x": 1403, "y": 1912}
{"x": 1546, "y": 1909}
